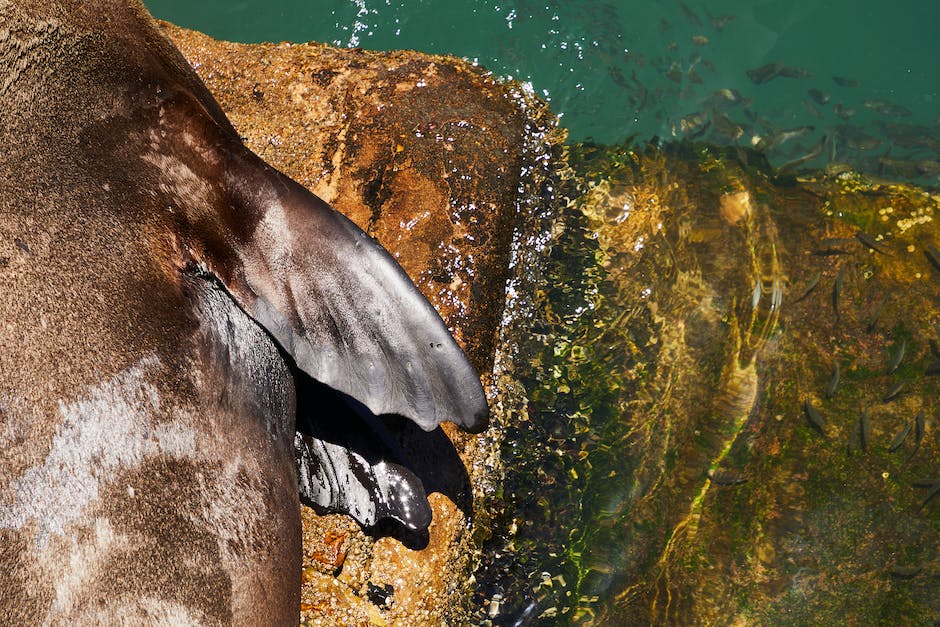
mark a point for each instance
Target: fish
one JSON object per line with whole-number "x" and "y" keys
{"x": 819, "y": 97}
{"x": 813, "y": 282}
{"x": 690, "y": 14}
{"x": 886, "y": 108}
{"x": 934, "y": 492}
{"x": 843, "y": 111}
{"x": 833, "y": 246}
{"x": 725, "y": 477}
{"x": 814, "y": 418}
{"x": 899, "y": 438}
{"x": 837, "y": 291}
{"x": 700, "y": 40}
{"x": 845, "y": 82}
{"x": 812, "y": 110}
{"x": 933, "y": 255}
{"x": 905, "y": 572}
{"x": 894, "y": 391}
{"x": 897, "y": 357}
{"x": 834, "y": 381}
{"x": 794, "y": 72}
{"x": 920, "y": 428}
{"x": 876, "y": 314}
{"x": 810, "y": 286}
{"x": 857, "y": 140}
{"x": 694, "y": 125}
{"x": 814, "y": 152}
{"x": 776, "y": 138}
{"x": 865, "y": 429}
{"x": 720, "y": 21}
{"x": 764, "y": 73}
{"x": 723, "y": 128}
{"x": 870, "y": 242}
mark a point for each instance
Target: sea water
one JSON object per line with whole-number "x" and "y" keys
{"x": 670, "y": 70}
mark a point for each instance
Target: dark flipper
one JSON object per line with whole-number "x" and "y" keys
{"x": 370, "y": 467}
{"x": 335, "y": 301}
{"x": 345, "y": 311}
{"x": 339, "y": 479}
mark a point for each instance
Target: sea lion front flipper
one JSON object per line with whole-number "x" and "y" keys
{"x": 344, "y": 310}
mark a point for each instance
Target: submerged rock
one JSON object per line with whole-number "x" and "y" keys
{"x": 685, "y": 330}
{"x": 430, "y": 156}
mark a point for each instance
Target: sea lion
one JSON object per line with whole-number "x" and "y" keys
{"x": 162, "y": 290}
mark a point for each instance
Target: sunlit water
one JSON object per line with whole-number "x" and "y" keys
{"x": 615, "y": 70}
{"x": 620, "y": 438}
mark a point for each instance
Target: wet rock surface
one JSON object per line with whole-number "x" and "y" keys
{"x": 730, "y": 400}
{"x": 428, "y": 155}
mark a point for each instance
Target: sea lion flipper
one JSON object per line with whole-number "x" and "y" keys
{"x": 345, "y": 311}
{"x": 336, "y": 478}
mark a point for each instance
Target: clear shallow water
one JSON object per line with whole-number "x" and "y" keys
{"x": 618, "y": 70}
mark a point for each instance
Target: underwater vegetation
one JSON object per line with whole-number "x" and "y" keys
{"x": 730, "y": 384}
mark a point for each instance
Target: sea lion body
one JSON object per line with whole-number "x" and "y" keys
{"x": 158, "y": 284}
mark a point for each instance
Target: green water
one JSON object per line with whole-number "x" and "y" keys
{"x": 615, "y": 70}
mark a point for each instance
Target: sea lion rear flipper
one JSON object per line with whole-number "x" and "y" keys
{"x": 343, "y": 309}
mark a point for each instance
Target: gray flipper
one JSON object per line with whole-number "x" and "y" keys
{"x": 339, "y": 479}
{"x": 348, "y": 315}
{"x": 336, "y": 302}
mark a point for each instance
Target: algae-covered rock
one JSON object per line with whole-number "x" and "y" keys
{"x": 429, "y": 155}
{"x": 732, "y": 400}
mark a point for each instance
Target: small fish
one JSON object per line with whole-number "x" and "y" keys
{"x": 876, "y": 315}
{"x": 841, "y": 81}
{"x": 764, "y": 73}
{"x": 794, "y": 72}
{"x": 904, "y": 572}
{"x": 690, "y": 14}
{"x": 886, "y": 108}
{"x": 933, "y": 255}
{"x": 819, "y": 97}
{"x": 813, "y": 282}
{"x": 865, "y": 429}
{"x": 812, "y": 110}
{"x": 700, "y": 40}
{"x": 777, "y": 138}
{"x": 843, "y": 111}
{"x": 897, "y": 357}
{"x": 814, "y": 152}
{"x": 870, "y": 242}
{"x": 899, "y": 438}
{"x": 833, "y": 246}
{"x": 860, "y": 141}
{"x": 920, "y": 428}
{"x": 815, "y": 418}
{"x": 725, "y": 477}
{"x": 694, "y": 125}
{"x": 935, "y": 490}
{"x": 720, "y": 21}
{"x": 724, "y": 128}
{"x": 894, "y": 391}
{"x": 837, "y": 291}
{"x": 833, "y": 382}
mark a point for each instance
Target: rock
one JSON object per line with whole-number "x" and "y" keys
{"x": 678, "y": 343}
{"x": 428, "y": 155}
